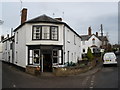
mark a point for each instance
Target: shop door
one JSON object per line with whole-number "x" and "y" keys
{"x": 47, "y": 63}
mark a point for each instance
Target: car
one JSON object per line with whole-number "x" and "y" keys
{"x": 109, "y": 58}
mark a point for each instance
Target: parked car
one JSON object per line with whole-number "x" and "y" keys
{"x": 109, "y": 58}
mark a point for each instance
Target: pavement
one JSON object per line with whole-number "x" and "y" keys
{"x": 92, "y": 71}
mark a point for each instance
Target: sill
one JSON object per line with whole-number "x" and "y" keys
{"x": 33, "y": 65}
{"x": 44, "y": 39}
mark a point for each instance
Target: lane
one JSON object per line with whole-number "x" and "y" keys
{"x": 108, "y": 77}
{"x": 13, "y": 78}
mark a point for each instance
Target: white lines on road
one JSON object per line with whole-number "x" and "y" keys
{"x": 92, "y": 81}
{"x": 85, "y": 81}
{"x": 14, "y": 85}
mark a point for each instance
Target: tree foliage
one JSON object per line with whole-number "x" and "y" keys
{"x": 89, "y": 54}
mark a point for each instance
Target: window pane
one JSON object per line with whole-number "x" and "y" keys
{"x": 55, "y": 60}
{"x": 36, "y": 32}
{"x": 55, "y": 53}
{"x": 45, "y": 32}
{"x": 54, "y": 33}
{"x": 36, "y": 57}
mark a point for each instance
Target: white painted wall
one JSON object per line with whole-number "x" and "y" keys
{"x": 1, "y": 50}
{"x": 20, "y": 47}
{"x": 25, "y": 38}
{"x": 74, "y": 49}
{"x": 6, "y": 51}
{"x": 89, "y": 43}
{"x": 29, "y": 40}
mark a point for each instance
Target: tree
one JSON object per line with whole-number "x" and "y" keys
{"x": 89, "y": 54}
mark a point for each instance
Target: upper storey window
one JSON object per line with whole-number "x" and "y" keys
{"x": 45, "y": 33}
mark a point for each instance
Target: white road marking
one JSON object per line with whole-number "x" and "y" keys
{"x": 90, "y": 87}
{"x": 92, "y": 81}
{"x": 14, "y": 85}
{"x": 85, "y": 81}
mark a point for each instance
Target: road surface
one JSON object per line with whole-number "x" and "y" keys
{"x": 107, "y": 77}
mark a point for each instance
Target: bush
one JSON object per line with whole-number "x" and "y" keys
{"x": 89, "y": 54}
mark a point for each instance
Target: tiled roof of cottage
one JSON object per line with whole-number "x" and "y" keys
{"x": 44, "y": 18}
{"x": 104, "y": 38}
{"x": 86, "y": 37}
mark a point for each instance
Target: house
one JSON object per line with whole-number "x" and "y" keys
{"x": 1, "y": 51}
{"x": 93, "y": 41}
{"x": 8, "y": 49}
{"x": 45, "y": 42}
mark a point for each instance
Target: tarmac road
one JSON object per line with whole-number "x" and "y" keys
{"x": 107, "y": 77}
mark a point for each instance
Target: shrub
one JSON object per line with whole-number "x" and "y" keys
{"x": 89, "y": 54}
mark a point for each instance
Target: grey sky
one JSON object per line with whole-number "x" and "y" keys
{"x": 78, "y": 15}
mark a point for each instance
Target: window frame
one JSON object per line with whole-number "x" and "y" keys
{"x": 93, "y": 41}
{"x": 50, "y": 32}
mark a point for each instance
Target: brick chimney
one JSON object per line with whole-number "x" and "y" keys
{"x": 2, "y": 37}
{"x": 89, "y": 31}
{"x": 23, "y": 15}
{"x": 96, "y": 33}
{"x": 7, "y": 35}
{"x": 60, "y": 19}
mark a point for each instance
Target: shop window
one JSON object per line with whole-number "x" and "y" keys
{"x": 55, "y": 56}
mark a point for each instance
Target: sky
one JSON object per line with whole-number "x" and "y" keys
{"x": 78, "y": 15}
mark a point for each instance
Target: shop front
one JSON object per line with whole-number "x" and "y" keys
{"x": 45, "y": 57}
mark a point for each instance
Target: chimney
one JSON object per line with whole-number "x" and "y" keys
{"x": 96, "y": 33}
{"x": 23, "y": 15}
{"x": 7, "y": 35}
{"x": 89, "y": 31}
{"x": 60, "y": 19}
{"x": 2, "y": 37}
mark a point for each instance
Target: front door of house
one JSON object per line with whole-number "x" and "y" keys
{"x": 47, "y": 63}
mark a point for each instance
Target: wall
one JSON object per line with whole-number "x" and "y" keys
{"x": 1, "y": 51}
{"x": 7, "y": 52}
{"x": 89, "y": 43}
{"x": 20, "y": 47}
{"x": 29, "y": 40}
{"x": 72, "y": 48}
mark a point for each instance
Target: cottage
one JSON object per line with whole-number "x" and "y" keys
{"x": 93, "y": 41}
{"x": 8, "y": 49}
{"x": 45, "y": 42}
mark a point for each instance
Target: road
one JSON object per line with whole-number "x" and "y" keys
{"x": 107, "y": 77}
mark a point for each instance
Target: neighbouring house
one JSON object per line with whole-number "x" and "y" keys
{"x": 45, "y": 42}
{"x": 8, "y": 49}
{"x": 93, "y": 41}
{"x": 1, "y": 45}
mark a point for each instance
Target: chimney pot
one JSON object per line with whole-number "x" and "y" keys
{"x": 60, "y": 19}
{"x": 96, "y": 33}
{"x": 23, "y": 15}
{"x": 89, "y": 31}
{"x": 7, "y": 35}
{"x": 2, "y": 37}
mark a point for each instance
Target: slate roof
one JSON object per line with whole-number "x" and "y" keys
{"x": 104, "y": 38}
{"x": 44, "y": 18}
{"x": 86, "y": 37}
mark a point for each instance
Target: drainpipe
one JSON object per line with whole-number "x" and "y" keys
{"x": 64, "y": 44}
{"x": 42, "y": 63}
